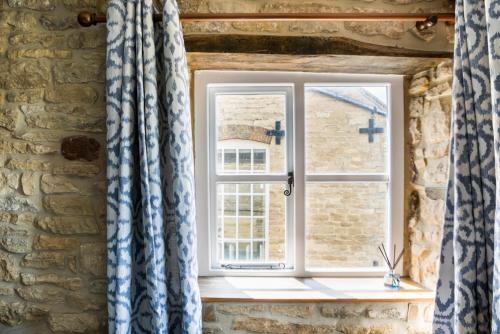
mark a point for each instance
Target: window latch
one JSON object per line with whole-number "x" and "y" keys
{"x": 290, "y": 182}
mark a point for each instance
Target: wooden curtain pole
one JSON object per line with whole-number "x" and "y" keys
{"x": 423, "y": 21}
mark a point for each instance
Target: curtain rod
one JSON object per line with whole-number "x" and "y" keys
{"x": 424, "y": 21}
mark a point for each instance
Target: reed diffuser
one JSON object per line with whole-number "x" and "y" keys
{"x": 391, "y": 279}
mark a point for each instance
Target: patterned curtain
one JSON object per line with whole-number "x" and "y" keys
{"x": 152, "y": 268}
{"x": 468, "y": 290}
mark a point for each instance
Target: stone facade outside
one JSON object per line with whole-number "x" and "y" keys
{"x": 52, "y": 226}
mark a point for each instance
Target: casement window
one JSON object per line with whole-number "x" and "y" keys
{"x": 297, "y": 174}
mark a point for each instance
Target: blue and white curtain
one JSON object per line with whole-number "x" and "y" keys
{"x": 468, "y": 291}
{"x": 152, "y": 268}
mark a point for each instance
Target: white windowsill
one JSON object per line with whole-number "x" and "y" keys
{"x": 321, "y": 289}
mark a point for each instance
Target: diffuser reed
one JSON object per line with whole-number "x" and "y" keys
{"x": 391, "y": 279}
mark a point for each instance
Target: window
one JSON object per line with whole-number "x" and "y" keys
{"x": 242, "y": 219}
{"x": 297, "y": 173}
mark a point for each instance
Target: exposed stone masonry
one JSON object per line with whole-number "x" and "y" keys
{"x": 427, "y": 147}
{"x": 52, "y": 208}
{"x": 317, "y": 318}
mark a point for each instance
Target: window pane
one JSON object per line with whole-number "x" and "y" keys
{"x": 346, "y": 129}
{"x": 244, "y": 188}
{"x": 244, "y": 228}
{"x": 259, "y": 160}
{"x": 345, "y": 223}
{"x": 259, "y": 228}
{"x": 230, "y": 227}
{"x": 245, "y": 162}
{"x": 244, "y": 251}
{"x": 259, "y": 250}
{"x": 230, "y": 188}
{"x": 229, "y": 160}
{"x": 230, "y": 250}
{"x": 258, "y": 205}
{"x": 254, "y": 225}
{"x": 244, "y": 206}
{"x": 246, "y": 119}
{"x": 229, "y": 205}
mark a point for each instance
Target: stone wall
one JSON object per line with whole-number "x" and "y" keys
{"x": 52, "y": 169}
{"x": 400, "y": 34}
{"x": 318, "y": 318}
{"x": 52, "y": 228}
{"x": 427, "y": 146}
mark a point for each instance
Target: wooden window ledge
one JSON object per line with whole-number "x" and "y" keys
{"x": 288, "y": 289}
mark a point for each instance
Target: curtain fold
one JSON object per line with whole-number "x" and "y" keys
{"x": 468, "y": 289}
{"x": 152, "y": 268}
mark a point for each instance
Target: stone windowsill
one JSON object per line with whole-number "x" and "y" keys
{"x": 324, "y": 289}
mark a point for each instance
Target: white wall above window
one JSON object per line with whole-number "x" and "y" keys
{"x": 342, "y": 138}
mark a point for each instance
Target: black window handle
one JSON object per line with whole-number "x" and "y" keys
{"x": 290, "y": 181}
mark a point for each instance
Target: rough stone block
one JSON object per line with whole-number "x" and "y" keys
{"x": 419, "y": 86}
{"x": 33, "y": 4}
{"x": 68, "y": 225}
{"x": 87, "y": 40}
{"x": 99, "y": 286}
{"x": 240, "y": 309}
{"x": 208, "y": 314}
{"x": 73, "y": 322}
{"x": 93, "y": 258}
{"x": 293, "y": 310}
{"x": 43, "y": 260}
{"x": 40, "y": 53}
{"x": 28, "y": 180}
{"x": 39, "y": 136}
{"x": 12, "y": 314}
{"x": 25, "y": 96}
{"x": 69, "y": 283}
{"x": 76, "y": 169}
{"x": 33, "y": 38}
{"x": 44, "y": 120}
{"x": 80, "y": 4}
{"x": 360, "y": 328}
{"x": 58, "y": 22}
{"x": 26, "y": 75}
{"x": 8, "y": 268}
{"x": 8, "y": 118}
{"x": 71, "y": 94}
{"x": 83, "y": 302}
{"x": 51, "y": 184}
{"x": 393, "y": 30}
{"x": 69, "y": 205}
{"x": 78, "y": 73}
{"x": 41, "y": 294}
{"x": 342, "y": 311}
{"x": 45, "y": 242}
{"x": 12, "y": 203}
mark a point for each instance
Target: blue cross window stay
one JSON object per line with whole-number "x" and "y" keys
{"x": 371, "y": 130}
{"x": 276, "y": 132}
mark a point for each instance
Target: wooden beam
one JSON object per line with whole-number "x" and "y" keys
{"x": 298, "y": 45}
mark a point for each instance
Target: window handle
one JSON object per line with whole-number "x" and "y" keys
{"x": 290, "y": 181}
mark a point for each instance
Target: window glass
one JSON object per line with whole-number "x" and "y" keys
{"x": 244, "y": 118}
{"x": 345, "y": 223}
{"x": 346, "y": 129}
{"x": 253, "y": 226}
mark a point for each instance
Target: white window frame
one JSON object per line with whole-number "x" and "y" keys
{"x": 295, "y": 132}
